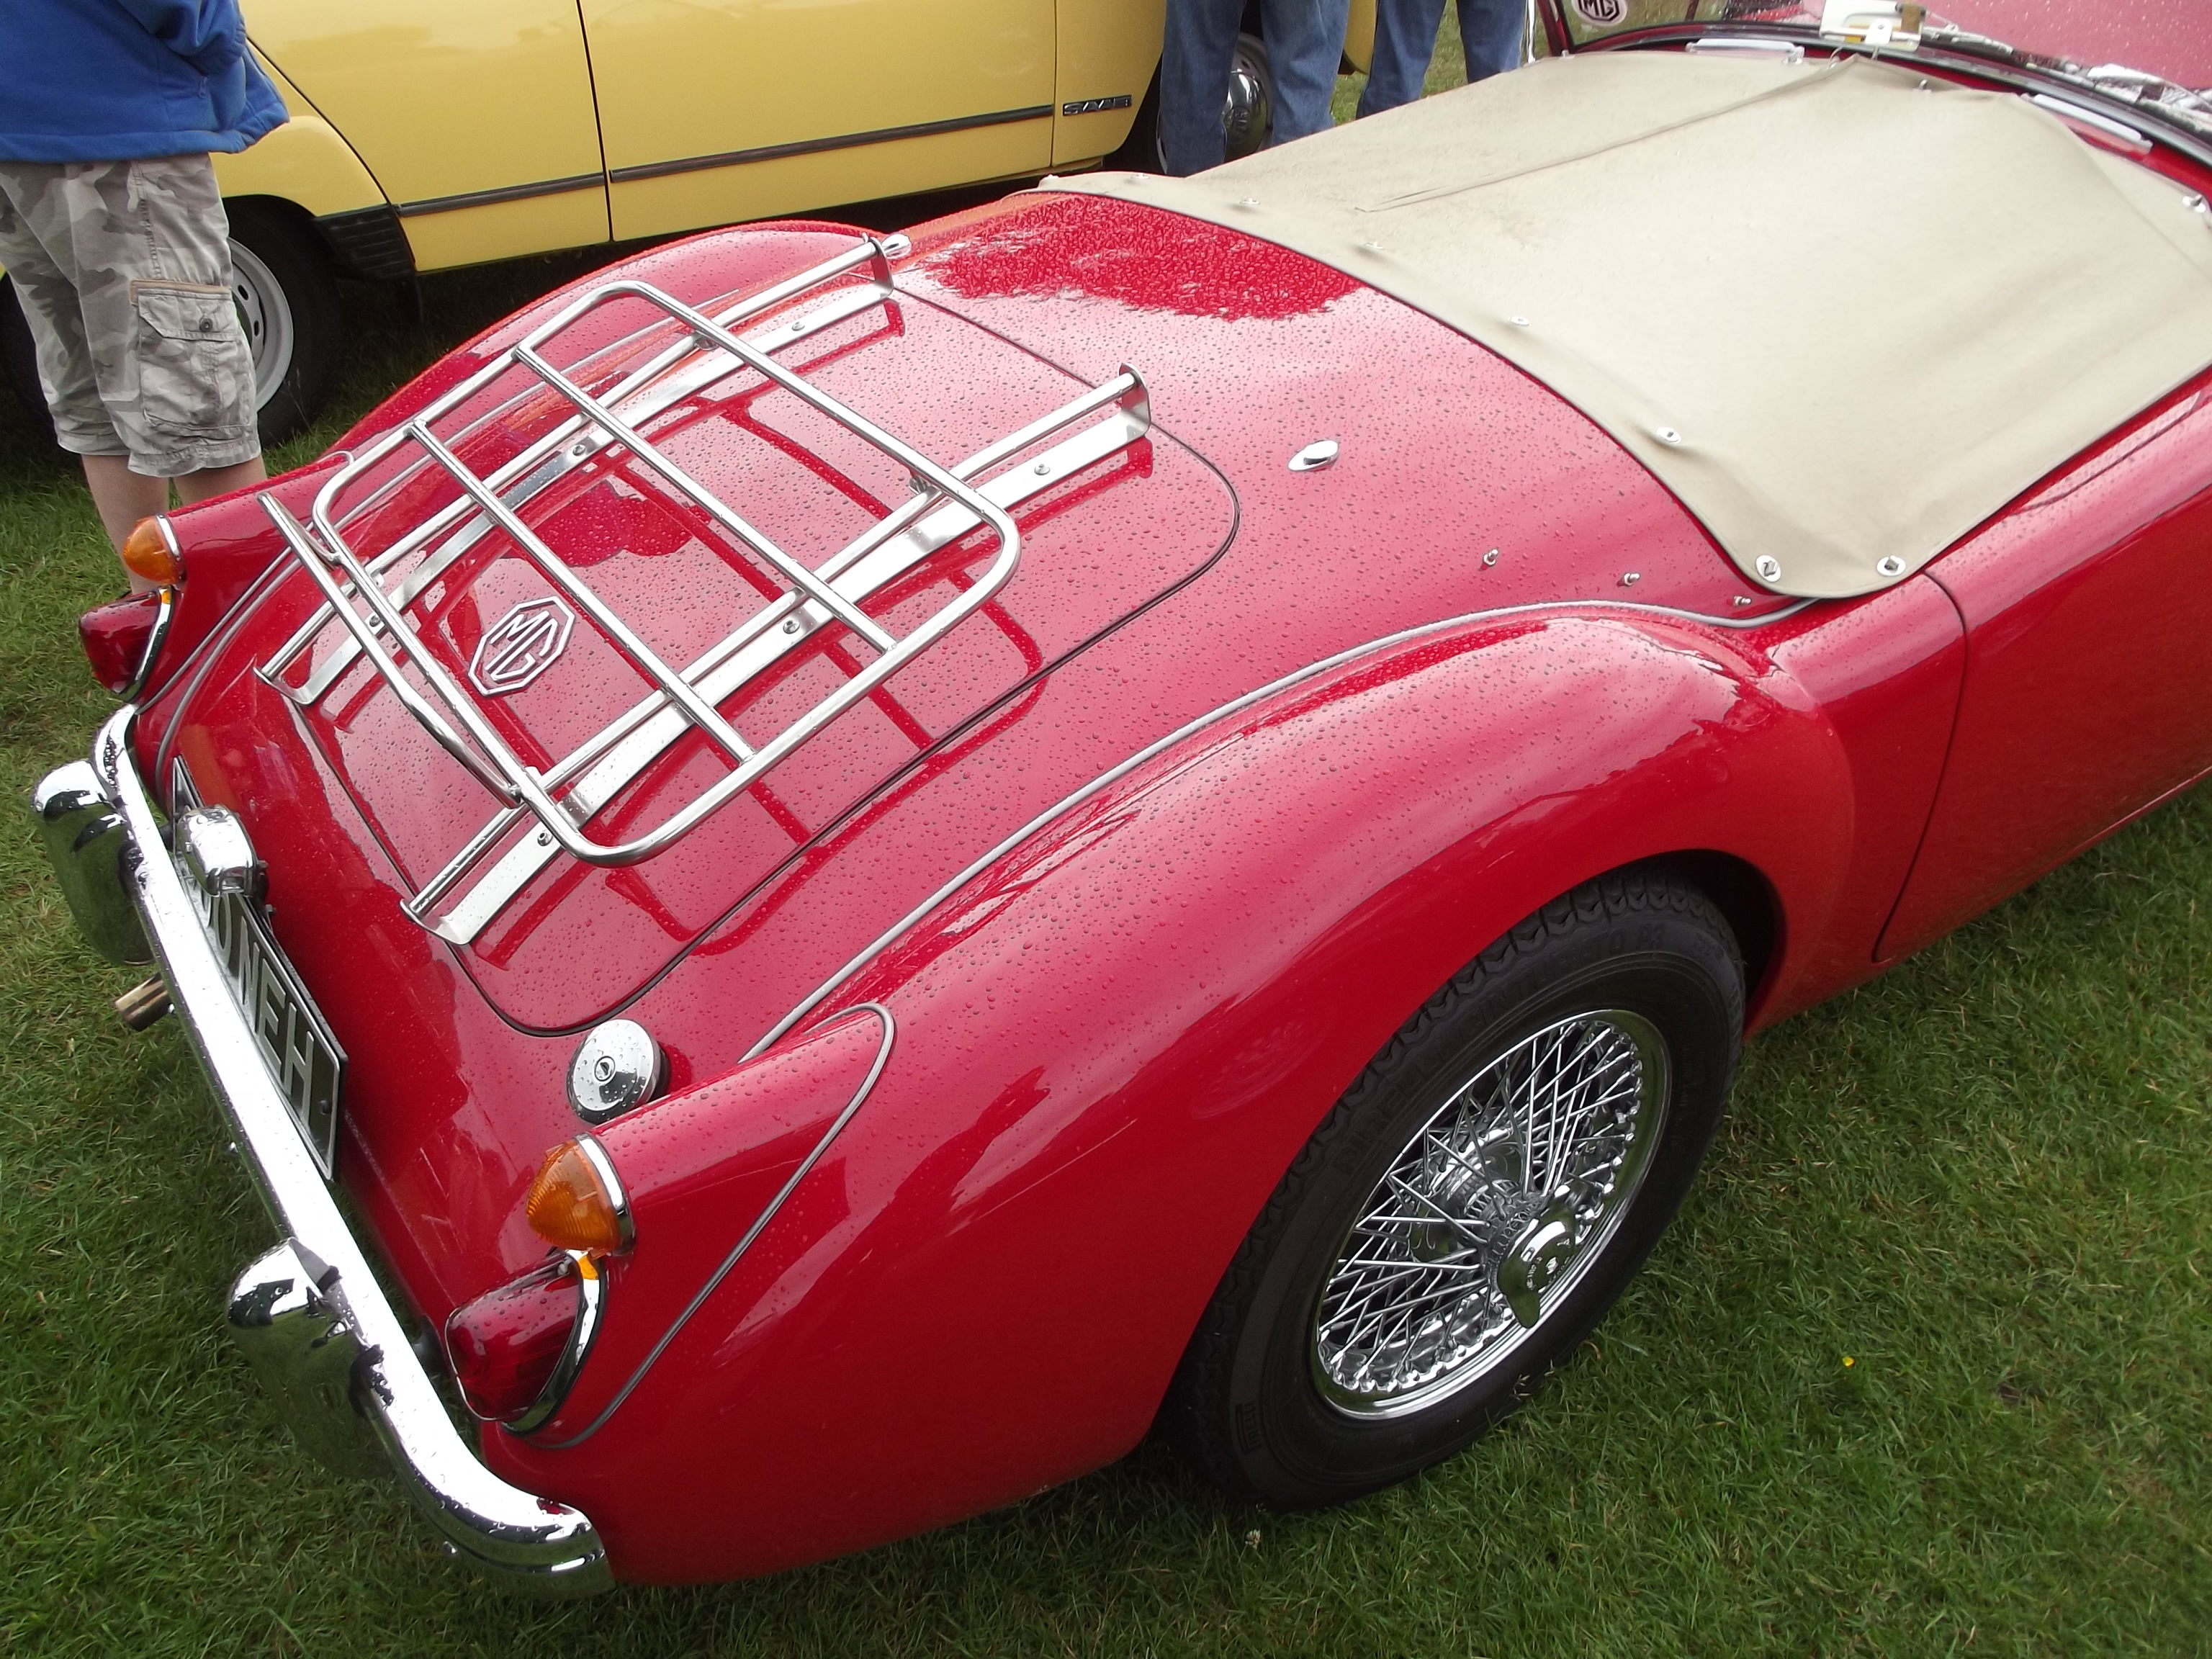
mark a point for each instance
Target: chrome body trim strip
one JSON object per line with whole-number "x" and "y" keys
{"x": 732, "y": 158}
{"x": 513, "y": 1534}
{"x": 1068, "y": 803}
{"x": 165, "y": 612}
{"x": 591, "y": 1312}
{"x": 759, "y": 1224}
{"x": 469, "y": 198}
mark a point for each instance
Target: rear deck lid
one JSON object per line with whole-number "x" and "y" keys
{"x": 657, "y": 641}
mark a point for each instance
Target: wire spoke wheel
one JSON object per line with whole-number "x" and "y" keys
{"x": 1477, "y": 1198}
{"x": 1490, "y": 1213}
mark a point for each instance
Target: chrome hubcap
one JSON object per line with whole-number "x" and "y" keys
{"x": 1249, "y": 117}
{"x": 266, "y": 316}
{"x": 1490, "y": 1214}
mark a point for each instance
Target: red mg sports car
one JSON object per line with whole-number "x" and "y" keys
{"x": 827, "y": 877}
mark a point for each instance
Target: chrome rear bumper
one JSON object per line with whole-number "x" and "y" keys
{"x": 310, "y": 1314}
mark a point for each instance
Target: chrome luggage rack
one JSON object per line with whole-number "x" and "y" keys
{"x": 948, "y": 502}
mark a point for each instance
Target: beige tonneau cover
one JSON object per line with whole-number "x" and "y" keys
{"x": 1843, "y": 312}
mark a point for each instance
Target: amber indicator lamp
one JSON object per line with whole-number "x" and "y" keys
{"x": 576, "y": 1201}
{"x": 150, "y": 552}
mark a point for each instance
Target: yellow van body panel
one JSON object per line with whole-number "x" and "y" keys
{"x": 1359, "y": 35}
{"x": 305, "y": 162}
{"x": 1108, "y": 48}
{"x": 504, "y": 127}
{"x": 455, "y": 98}
{"x": 717, "y": 110}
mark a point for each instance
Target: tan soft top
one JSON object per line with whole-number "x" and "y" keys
{"x": 1843, "y": 312}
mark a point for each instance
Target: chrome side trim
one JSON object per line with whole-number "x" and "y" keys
{"x": 469, "y": 198}
{"x": 890, "y": 935}
{"x": 760, "y": 1222}
{"x": 591, "y": 1310}
{"x": 732, "y": 158}
{"x": 2066, "y": 110}
{"x": 514, "y": 1535}
{"x": 165, "y": 611}
{"x": 603, "y": 1167}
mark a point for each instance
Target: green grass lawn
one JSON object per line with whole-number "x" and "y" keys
{"x": 1925, "y": 1367}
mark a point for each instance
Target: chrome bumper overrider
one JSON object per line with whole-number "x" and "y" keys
{"x": 310, "y": 1314}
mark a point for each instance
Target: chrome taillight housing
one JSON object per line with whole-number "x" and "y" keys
{"x": 515, "y": 1350}
{"x": 122, "y": 640}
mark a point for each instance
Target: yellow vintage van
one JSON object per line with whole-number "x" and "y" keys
{"x": 427, "y": 134}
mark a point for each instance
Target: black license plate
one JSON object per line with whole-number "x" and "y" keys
{"x": 304, "y": 1059}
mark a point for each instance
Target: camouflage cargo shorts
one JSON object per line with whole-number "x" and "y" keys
{"x": 123, "y": 272}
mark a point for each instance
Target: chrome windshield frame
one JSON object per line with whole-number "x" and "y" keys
{"x": 2161, "y": 110}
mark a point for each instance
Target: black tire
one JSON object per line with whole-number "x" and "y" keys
{"x": 285, "y": 289}
{"x": 1268, "y": 1403}
{"x": 288, "y": 301}
{"x": 1248, "y": 117}
{"x": 19, "y": 360}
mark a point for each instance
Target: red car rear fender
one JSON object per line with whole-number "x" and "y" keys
{"x": 1112, "y": 1043}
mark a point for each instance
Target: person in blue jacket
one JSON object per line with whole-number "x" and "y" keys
{"x": 112, "y": 234}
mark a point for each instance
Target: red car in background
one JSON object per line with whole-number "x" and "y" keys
{"x": 867, "y": 867}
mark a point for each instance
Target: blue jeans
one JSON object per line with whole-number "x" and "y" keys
{"x": 1406, "y": 37}
{"x": 1304, "y": 40}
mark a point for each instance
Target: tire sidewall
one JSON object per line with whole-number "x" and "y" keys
{"x": 1296, "y": 1449}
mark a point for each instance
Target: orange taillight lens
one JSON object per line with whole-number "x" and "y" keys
{"x": 577, "y": 1201}
{"x": 148, "y": 552}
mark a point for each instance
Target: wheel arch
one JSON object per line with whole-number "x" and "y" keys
{"x": 1113, "y": 1040}
{"x": 306, "y": 161}
{"x": 1746, "y": 900}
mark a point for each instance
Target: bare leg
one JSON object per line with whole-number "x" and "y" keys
{"x": 220, "y": 481}
{"x": 123, "y": 498}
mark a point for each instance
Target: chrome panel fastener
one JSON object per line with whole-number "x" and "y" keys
{"x": 617, "y": 1066}
{"x": 1892, "y": 566}
{"x": 1314, "y": 456}
{"x": 1768, "y": 567}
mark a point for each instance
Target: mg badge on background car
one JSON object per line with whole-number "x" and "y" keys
{"x": 830, "y": 877}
